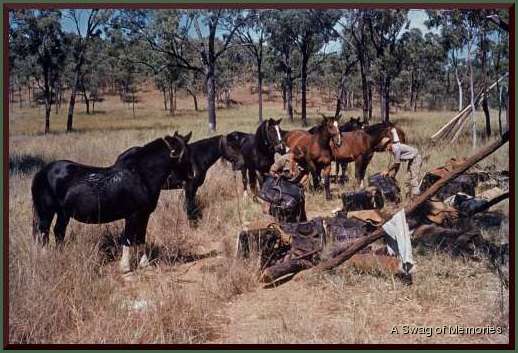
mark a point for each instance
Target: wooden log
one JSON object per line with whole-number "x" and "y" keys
{"x": 284, "y": 268}
{"x": 343, "y": 254}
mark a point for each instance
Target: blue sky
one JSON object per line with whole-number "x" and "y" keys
{"x": 417, "y": 18}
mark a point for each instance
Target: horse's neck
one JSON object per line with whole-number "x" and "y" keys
{"x": 207, "y": 151}
{"x": 154, "y": 165}
{"x": 323, "y": 138}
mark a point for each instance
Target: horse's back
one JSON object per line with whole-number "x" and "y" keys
{"x": 299, "y": 138}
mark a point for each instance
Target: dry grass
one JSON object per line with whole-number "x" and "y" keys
{"x": 196, "y": 292}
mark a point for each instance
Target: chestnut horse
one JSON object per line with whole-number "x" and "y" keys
{"x": 316, "y": 148}
{"x": 359, "y": 146}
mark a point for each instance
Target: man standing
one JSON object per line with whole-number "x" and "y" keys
{"x": 402, "y": 152}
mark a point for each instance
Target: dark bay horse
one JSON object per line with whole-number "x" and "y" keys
{"x": 203, "y": 154}
{"x": 129, "y": 189}
{"x": 258, "y": 151}
{"x": 359, "y": 146}
{"x": 318, "y": 154}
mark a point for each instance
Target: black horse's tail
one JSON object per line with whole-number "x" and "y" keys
{"x": 42, "y": 205}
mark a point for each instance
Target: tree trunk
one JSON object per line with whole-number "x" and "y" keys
{"x": 459, "y": 84}
{"x": 75, "y": 86}
{"x": 87, "y": 101}
{"x": 303, "y": 78}
{"x": 367, "y": 108}
{"x": 284, "y": 96}
{"x": 72, "y": 103}
{"x": 171, "y": 99}
{"x": 486, "y": 113}
{"x": 289, "y": 93}
{"x": 195, "y": 99}
{"x": 386, "y": 100}
{"x": 412, "y": 86}
{"x": 415, "y": 99}
{"x": 174, "y": 98}
{"x": 164, "y": 94}
{"x": 211, "y": 96}
{"x": 369, "y": 104}
{"x": 472, "y": 91}
{"x": 48, "y": 108}
{"x": 260, "y": 91}
{"x": 226, "y": 93}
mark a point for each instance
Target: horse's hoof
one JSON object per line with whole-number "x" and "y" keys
{"x": 124, "y": 268}
{"x": 144, "y": 262}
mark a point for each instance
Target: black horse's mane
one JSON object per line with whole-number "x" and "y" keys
{"x": 140, "y": 152}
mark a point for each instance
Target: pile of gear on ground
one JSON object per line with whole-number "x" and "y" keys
{"x": 453, "y": 220}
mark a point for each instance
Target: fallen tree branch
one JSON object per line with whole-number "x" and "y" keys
{"x": 343, "y": 254}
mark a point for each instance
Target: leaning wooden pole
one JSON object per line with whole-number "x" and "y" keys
{"x": 342, "y": 254}
{"x": 443, "y": 131}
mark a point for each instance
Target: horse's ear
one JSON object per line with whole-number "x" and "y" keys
{"x": 278, "y": 121}
{"x": 338, "y": 117}
{"x": 175, "y": 133}
{"x": 187, "y": 137}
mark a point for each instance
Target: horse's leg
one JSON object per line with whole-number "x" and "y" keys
{"x": 252, "y": 178}
{"x": 60, "y": 227}
{"x": 41, "y": 221}
{"x": 245, "y": 180}
{"x": 128, "y": 242}
{"x": 327, "y": 186}
{"x": 315, "y": 174}
{"x": 192, "y": 210}
{"x": 141, "y": 240}
{"x": 361, "y": 167}
{"x": 343, "y": 177}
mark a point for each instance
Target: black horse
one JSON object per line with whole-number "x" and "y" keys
{"x": 203, "y": 154}
{"x": 258, "y": 151}
{"x": 129, "y": 189}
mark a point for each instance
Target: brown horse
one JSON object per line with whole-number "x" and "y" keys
{"x": 316, "y": 148}
{"x": 359, "y": 146}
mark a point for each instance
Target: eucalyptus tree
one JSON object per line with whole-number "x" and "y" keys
{"x": 252, "y": 36}
{"x": 95, "y": 19}
{"x": 38, "y": 37}
{"x": 310, "y": 30}
{"x": 282, "y": 51}
{"x": 187, "y": 39}
{"x": 385, "y": 28}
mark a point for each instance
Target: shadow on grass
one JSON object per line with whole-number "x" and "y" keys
{"x": 110, "y": 250}
{"x": 25, "y": 163}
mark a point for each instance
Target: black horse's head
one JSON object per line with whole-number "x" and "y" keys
{"x": 329, "y": 125}
{"x": 178, "y": 148}
{"x": 270, "y": 132}
{"x": 231, "y": 149}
